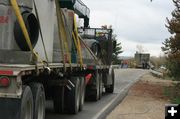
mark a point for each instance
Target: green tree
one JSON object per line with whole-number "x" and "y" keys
{"x": 171, "y": 46}
{"x": 116, "y": 51}
{"x": 117, "y": 46}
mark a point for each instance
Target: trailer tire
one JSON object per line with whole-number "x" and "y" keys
{"x": 58, "y": 99}
{"x": 39, "y": 100}
{"x": 82, "y": 93}
{"x": 73, "y": 98}
{"x": 110, "y": 88}
{"x": 95, "y": 90}
{"x": 26, "y": 111}
{"x": 94, "y": 48}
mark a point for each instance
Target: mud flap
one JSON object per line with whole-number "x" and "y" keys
{"x": 10, "y": 108}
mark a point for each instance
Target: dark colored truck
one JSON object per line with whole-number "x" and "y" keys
{"x": 44, "y": 56}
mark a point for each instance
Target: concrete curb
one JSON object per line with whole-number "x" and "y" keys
{"x": 116, "y": 101}
{"x": 157, "y": 73}
{"x": 111, "y": 105}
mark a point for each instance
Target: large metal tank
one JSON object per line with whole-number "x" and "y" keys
{"x": 8, "y": 18}
{"x": 10, "y": 43}
{"x": 68, "y": 18}
{"x": 14, "y": 49}
{"x": 57, "y": 56}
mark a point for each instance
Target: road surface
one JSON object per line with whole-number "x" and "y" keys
{"x": 124, "y": 78}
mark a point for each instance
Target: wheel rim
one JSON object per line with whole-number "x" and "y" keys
{"x": 83, "y": 92}
{"x": 41, "y": 107}
{"x": 100, "y": 87}
{"x": 97, "y": 86}
{"x": 78, "y": 96}
{"x": 82, "y": 100}
{"x": 28, "y": 110}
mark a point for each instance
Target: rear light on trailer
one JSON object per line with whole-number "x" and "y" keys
{"x": 4, "y": 81}
{"x": 88, "y": 77}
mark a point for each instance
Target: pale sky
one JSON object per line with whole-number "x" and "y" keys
{"x": 136, "y": 22}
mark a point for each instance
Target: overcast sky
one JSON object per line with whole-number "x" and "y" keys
{"x": 136, "y": 22}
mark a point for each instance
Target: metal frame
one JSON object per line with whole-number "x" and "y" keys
{"x": 79, "y": 7}
{"x": 107, "y": 31}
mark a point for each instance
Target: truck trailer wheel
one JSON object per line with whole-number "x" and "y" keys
{"x": 58, "y": 99}
{"x": 96, "y": 87}
{"x": 73, "y": 97}
{"x": 82, "y": 93}
{"x": 39, "y": 100}
{"x": 100, "y": 85}
{"x": 95, "y": 49}
{"x": 26, "y": 111}
{"x": 110, "y": 88}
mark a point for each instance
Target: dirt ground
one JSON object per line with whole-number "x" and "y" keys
{"x": 145, "y": 100}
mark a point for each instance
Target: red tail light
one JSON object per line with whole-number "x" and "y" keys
{"x": 4, "y": 82}
{"x": 88, "y": 77}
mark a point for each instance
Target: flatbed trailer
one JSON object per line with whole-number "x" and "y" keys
{"x": 26, "y": 76}
{"x": 71, "y": 72}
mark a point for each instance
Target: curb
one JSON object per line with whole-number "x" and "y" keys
{"x": 157, "y": 73}
{"x": 112, "y": 104}
{"x": 116, "y": 101}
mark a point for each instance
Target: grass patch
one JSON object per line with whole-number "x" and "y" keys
{"x": 176, "y": 100}
{"x": 166, "y": 91}
{"x": 173, "y": 93}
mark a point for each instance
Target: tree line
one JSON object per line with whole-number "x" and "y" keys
{"x": 171, "y": 45}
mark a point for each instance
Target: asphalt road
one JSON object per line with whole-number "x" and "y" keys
{"x": 124, "y": 79}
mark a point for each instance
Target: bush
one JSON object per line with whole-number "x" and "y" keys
{"x": 173, "y": 93}
{"x": 174, "y": 69}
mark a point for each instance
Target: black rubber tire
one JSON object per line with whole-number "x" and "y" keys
{"x": 73, "y": 98}
{"x": 39, "y": 100}
{"x": 94, "y": 49}
{"x": 82, "y": 93}
{"x": 95, "y": 90}
{"x": 26, "y": 111}
{"x": 58, "y": 99}
{"x": 32, "y": 26}
{"x": 110, "y": 88}
{"x": 100, "y": 85}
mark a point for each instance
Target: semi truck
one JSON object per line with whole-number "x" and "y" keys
{"x": 45, "y": 56}
{"x": 142, "y": 60}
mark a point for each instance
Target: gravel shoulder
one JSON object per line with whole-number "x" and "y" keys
{"x": 145, "y": 100}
